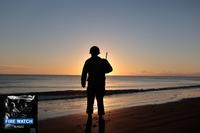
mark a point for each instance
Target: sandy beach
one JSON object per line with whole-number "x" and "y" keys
{"x": 174, "y": 117}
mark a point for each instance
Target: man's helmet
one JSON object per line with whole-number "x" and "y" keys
{"x": 94, "y": 50}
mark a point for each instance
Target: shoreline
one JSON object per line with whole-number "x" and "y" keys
{"x": 73, "y": 94}
{"x": 179, "y": 116}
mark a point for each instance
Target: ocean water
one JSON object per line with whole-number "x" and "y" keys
{"x": 186, "y": 87}
{"x": 44, "y": 83}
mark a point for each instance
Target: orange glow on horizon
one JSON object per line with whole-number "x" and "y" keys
{"x": 65, "y": 65}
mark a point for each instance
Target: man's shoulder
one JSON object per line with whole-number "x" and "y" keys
{"x": 88, "y": 60}
{"x": 92, "y": 59}
{"x": 97, "y": 59}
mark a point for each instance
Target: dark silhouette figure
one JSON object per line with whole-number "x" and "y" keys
{"x": 94, "y": 71}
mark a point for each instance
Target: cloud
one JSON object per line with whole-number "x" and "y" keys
{"x": 168, "y": 73}
{"x": 5, "y": 67}
{"x": 13, "y": 68}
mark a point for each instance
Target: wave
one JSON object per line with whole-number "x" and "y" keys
{"x": 71, "y": 94}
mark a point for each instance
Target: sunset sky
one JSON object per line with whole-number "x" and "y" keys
{"x": 142, "y": 37}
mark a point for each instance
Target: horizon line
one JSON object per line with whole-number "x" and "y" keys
{"x": 173, "y": 75}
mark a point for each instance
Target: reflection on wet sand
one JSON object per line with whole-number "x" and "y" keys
{"x": 101, "y": 126}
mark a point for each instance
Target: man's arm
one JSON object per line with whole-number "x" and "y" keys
{"x": 108, "y": 67}
{"x": 84, "y": 75}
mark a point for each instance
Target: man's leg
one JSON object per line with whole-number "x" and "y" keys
{"x": 90, "y": 102}
{"x": 100, "y": 103}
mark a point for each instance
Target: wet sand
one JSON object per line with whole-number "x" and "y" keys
{"x": 174, "y": 117}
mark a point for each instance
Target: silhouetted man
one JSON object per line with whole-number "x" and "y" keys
{"x": 94, "y": 71}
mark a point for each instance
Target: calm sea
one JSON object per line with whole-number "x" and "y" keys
{"x": 44, "y": 83}
{"x": 60, "y": 107}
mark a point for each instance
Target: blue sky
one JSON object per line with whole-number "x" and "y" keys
{"x": 143, "y": 37}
